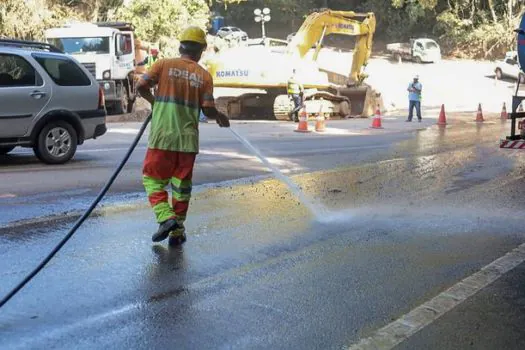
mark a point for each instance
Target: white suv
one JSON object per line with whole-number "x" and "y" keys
{"x": 232, "y": 33}
{"x": 509, "y": 67}
{"x": 49, "y": 101}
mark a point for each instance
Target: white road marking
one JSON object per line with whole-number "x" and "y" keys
{"x": 123, "y": 131}
{"x": 407, "y": 325}
{"x": 7, "y": 195}
{"x": 338, "y": 131}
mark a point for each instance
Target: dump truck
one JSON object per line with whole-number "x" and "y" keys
{"x": 421, "y": 50}
{"x": 109, "y": 51}
{"x": 516, "y": 139}
{"x": 260, "y": 67}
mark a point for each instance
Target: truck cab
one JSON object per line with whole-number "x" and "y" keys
{"x": 425, "y": 50}
{"x": 107, "y": 50}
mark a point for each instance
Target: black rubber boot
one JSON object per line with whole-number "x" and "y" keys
{"x": 164, "y": 230}
{"x": 177, "y": 237}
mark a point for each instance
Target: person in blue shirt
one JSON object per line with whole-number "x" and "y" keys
{"x": 414, "y": 97}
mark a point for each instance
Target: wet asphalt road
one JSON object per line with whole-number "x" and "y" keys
{"x": 31, "y": 189}
{"x": 397, "y": 225}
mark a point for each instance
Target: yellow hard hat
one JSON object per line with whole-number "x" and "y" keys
{"x": 195, "y": 34}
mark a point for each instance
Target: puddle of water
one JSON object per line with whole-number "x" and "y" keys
{"x": 315, "y": 208}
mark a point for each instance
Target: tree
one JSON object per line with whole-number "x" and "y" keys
{"x": 154, "y": 19}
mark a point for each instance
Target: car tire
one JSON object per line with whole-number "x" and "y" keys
{"x": 6, "y": 150}
{"x": 56, "y": 143}
{"x": 499, "y": 73}
{"x": 418, "y": 60}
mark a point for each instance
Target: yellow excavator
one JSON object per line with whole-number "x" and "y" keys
{"x": 269, "y": 68}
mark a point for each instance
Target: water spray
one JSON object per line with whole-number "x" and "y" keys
{"x": 315, "y": 209}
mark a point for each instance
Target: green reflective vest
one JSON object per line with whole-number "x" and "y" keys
{"x": 294, "y": 87}
{"x": 151, "y": 60}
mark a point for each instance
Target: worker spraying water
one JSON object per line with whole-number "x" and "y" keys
{"x": 183, "y": 89}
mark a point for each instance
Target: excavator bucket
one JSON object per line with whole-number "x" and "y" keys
{"x": 364, "y": 100}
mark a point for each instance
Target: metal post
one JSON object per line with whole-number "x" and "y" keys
{"x": 262, "y": 16}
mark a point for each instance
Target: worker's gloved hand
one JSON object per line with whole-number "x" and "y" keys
{"x": 223, "y": 121}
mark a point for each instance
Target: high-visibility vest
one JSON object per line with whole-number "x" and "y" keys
{"x": 294, "y": 88}
{"x": 151, "y": 60}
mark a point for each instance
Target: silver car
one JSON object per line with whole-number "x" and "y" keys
{"x": 232, "y": 33}
{"x": 49, "y": 101}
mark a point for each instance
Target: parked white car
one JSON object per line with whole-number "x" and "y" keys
{"x": 509, "y": 67}
{"x": 232, "y": 33}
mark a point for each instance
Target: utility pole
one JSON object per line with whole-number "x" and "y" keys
{"x": 263, "y": 17}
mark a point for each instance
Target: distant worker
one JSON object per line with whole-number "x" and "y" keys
{"x": 296, "y": 92}
{"x": 150, "y": 59}
{"x": 183, "y": 89}
{"x": 414, "y": 97}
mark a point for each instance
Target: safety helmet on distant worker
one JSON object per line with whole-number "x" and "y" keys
{"x": 193, "y": 34}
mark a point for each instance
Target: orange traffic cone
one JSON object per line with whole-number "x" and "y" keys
{"x": 442, "y": 120}
{"x": 376, "y": 122}
{"x": 303, "y": 122}
{"x": 479, "y": 115}
{"x": 504, "y": 114}
{"x": 320, "y": 123}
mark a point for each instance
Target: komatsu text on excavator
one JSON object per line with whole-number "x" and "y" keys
{"x": 334, "y": 94}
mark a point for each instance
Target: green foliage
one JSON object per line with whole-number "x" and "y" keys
{"x": 154, "y": 19}
{"x": 28, "y": 19}
{"x": 470, "y": 28}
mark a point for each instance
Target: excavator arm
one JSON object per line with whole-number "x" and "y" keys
{"x": 319, "y": 24}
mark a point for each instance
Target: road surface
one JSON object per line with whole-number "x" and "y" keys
{"x": 403, "y": 214}
{"x": 43, "y": 190}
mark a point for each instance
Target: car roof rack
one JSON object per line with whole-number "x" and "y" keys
{"x": 30, "y": 44}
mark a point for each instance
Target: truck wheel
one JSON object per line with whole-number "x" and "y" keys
{"x": 6, "y": 150}
{"x": 121, "y": 106}
{"x": 499, "y": 73}
{"x": 131, "y": 103}
{"x": 56, "y": 143}
{"x": 417, "y": 59}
